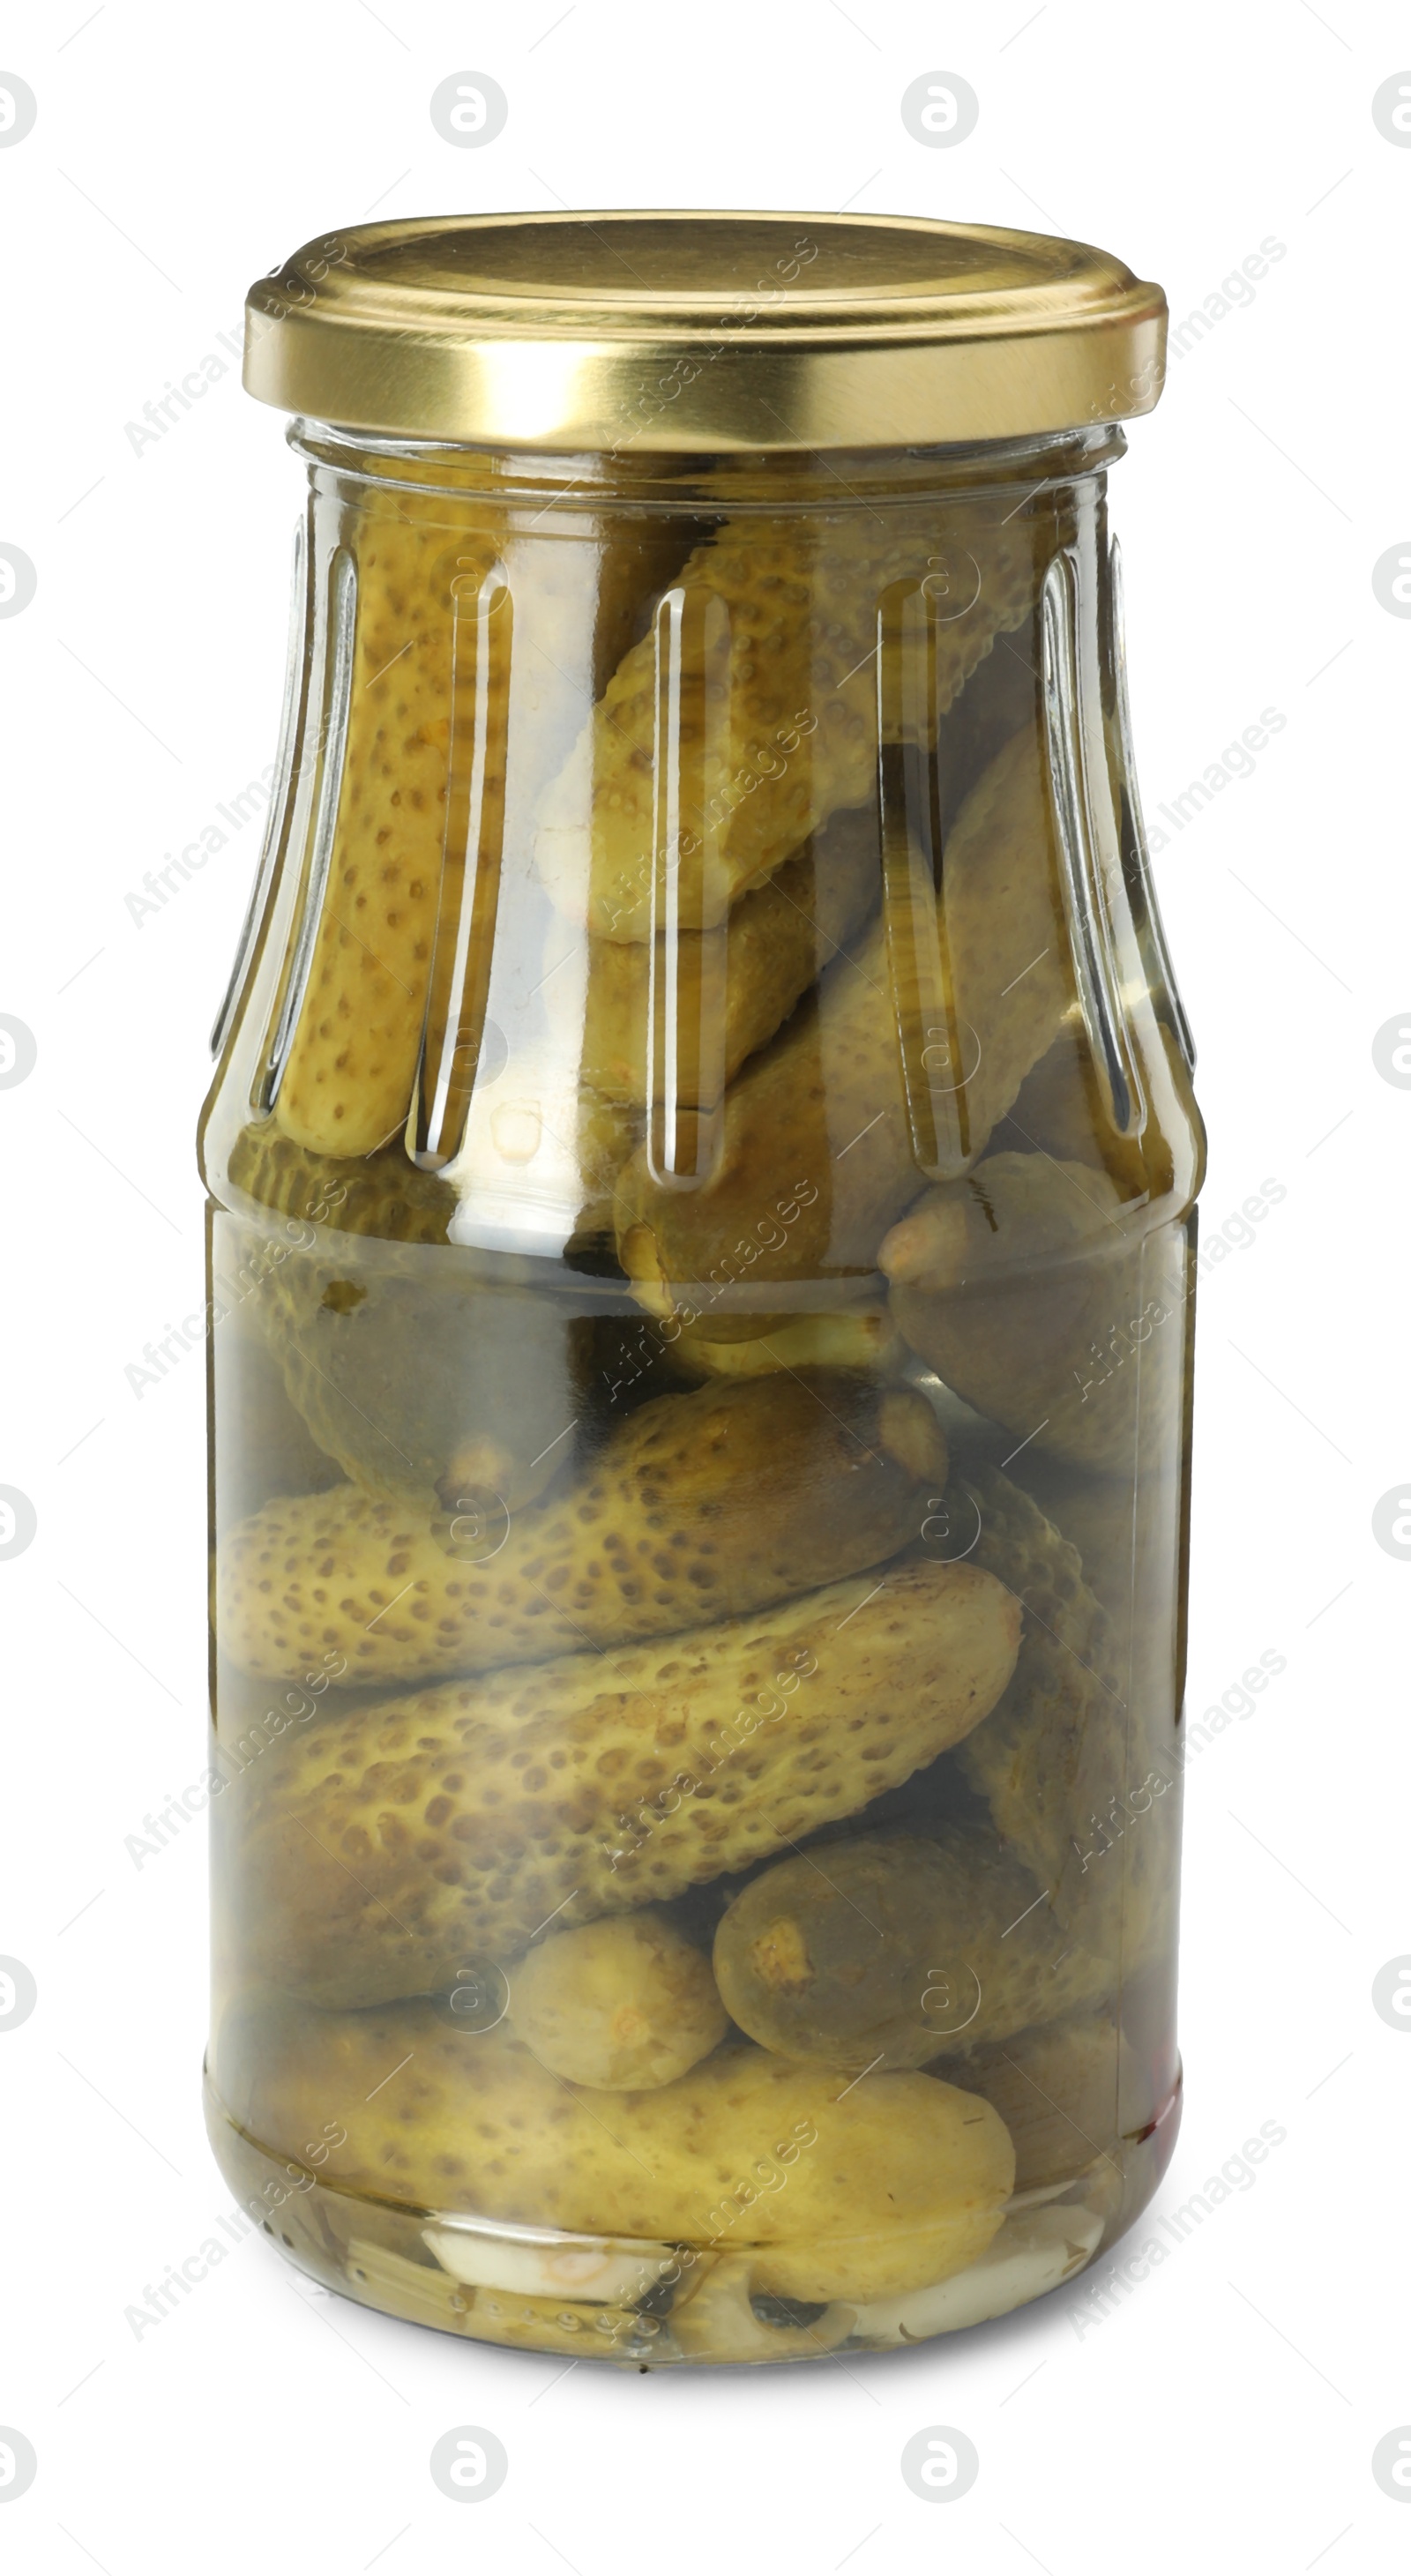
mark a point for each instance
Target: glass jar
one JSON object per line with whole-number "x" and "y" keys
{"x": 702, "y": 1169}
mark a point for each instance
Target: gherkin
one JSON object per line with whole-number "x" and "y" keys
{"x": 421, "y": 1382}
{"x": 1069, "y": 2091}
{"x": 902, "y": 2181}
{"x": 742, "y": 980}
{"x": 1027, "y": 1288}
{"x": 778, "y": 719}
{"x": 377, "y": 1846}
{"x": 695, "y": 1507}
{"x": 827, "y": 1134}
{"x": 620, "y": 2004}
{"x": 889, "y": 1949}
{"x": 383, "y": 1194}
{"x": 418, "y": 701}
{"x": 1066, "y": 1759}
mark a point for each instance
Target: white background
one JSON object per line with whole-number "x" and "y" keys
{"x": 1234, "y": 2398}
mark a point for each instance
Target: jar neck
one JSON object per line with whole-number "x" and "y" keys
{"x": 738, "y": 483}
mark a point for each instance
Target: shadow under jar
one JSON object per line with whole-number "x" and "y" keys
{"x": 702, "y": 1168}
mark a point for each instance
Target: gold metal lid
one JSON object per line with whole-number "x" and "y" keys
{"x": 703, "y": 332}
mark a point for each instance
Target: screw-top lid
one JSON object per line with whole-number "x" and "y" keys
{"x": 703, "y": 332}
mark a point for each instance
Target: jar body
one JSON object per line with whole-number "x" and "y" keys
{"x": 702, "y": 1171}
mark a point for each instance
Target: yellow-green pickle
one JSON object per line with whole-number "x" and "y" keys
{"x": 702, "y": 1171}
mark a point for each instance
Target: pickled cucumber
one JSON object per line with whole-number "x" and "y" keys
{"x": 705, "y": 1504}
{"x": 882, "y": 1950}
{"x": 276, "y": 1452}
{"x": 411, "y": 1376}
{"x": 816, "y": 1155}
{"x": 1057, "y": 2089}
{"x": 737, "y": 984}
{"x": 417, "y": 707}
{"x": 1131, "y": 1562}
{"x": 379, "y": 1847}
{"x": 895, "y": 2183}
{"x": 426, "y": 1389}
{"x": 777, "y": 719}
{"x": 1023, "y": 1290}
{"x": 1058, "y": 1111}
{"x": 1063, "y": 1750}
{"x": 623, "y": 2003}
{"x": 347, "y": 1083}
